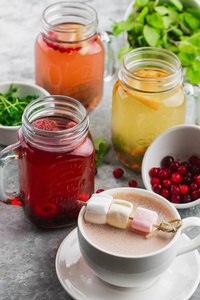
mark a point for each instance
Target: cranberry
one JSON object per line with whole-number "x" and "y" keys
{"x": 165, "y": 193}
{"x": 99, "y": 191}
{"x": 186, "y": 198}
{"x": 155, "y": 180}
{"x": 174, "y": 165}
{"x": 175, "y": 190}
{"x": 182, "y": 169}
{"x": 193, "y": 159}
{"x": 132, "y": 183}
{"x": 117, "y": 173}
{"x": 157, "y": 188}
{"x": 184, "y": 189}
{"x": 195, "y": 169}
{"x": 164, "y": 174}
{"x": 166, "y": 183}
{"x": 195, "y": 195}
{"x": 154, "y": 172}
{"x": 95, "y": 171}
{"x": 176, "y": 178}
{"x": 179, "y": 182}
{"x": 197, "y": 179}
{"x": 166, "y": 161}
{"x": 175, "y": 198}
{"x": 193, "y": 186}
{"x": 188, "y": 179}
{"x": 185, "y": 163}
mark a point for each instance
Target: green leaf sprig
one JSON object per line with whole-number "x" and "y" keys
{"x": 12, "y": 107}
{"x": 170, "y": 25}
{"x": 101, "y": 146}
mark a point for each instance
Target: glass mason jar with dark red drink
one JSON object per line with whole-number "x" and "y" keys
{"x": 55, "y": 155}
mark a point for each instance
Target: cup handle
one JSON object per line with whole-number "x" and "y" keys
{"x": 193, "y": 244}
{"x": 7, "y": 155}
{"x": 109, "y": 42}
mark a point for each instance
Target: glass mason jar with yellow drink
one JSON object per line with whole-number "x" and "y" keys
{"x": 148, "y": 98}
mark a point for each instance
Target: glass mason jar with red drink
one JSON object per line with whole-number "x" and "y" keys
{"x": 55, "y": 155}
{"x": 69, "y": 53}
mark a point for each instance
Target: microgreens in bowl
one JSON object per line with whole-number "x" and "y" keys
{"x": 12, "y": 106}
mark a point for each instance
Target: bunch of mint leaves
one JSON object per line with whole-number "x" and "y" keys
{"x": 165, "y": 24}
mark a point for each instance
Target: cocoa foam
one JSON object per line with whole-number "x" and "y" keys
{"x": 126, "y": 242}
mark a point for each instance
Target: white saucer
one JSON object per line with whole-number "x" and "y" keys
{"x": 178, "y": 283}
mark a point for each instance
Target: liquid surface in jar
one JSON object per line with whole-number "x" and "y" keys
{"x": 68, "y": 62}
{"x": 51, "y": 180}
{"x": 138, "y": 117}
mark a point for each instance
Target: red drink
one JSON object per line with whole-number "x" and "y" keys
{"x": 52, "y": 181}
{"x": 56, "y": 156}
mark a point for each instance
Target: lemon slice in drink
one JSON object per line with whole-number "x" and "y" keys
{"x": 69, "y": 34}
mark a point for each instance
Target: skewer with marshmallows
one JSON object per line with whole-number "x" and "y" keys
{"x": 103, "y": 209}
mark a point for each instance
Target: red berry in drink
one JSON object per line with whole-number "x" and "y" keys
{"x": 175, "y": 198}
{"x": 174, "y": 189}
{"x": 70, "y": 124}
{"x": 184, "y": 189}
{"x": 157, "y": 188}
{"x": 193, "y": 159}
{"x": 176, "y": 178}
{"x": 166, "y": 183}
{"x": 154, "y": 172}
{"x": 193, "y": 186}
{"x": 95, "y": 171}
{"x": 197, "y": 179}
{"x": 99, "y": 191}
{"x": 118, "y": 173}
{"x": 174, "y": 166}
{"x": 166, "y": 161}
{"x": 182, "y": 169}
{"x": 186, "y": 198}
{"x": 46, "y": 124}
{"x": 132, "y": 183}
{"x": 165, "y": 193}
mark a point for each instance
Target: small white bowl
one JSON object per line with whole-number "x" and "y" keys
{"x": 8, "y": 134}
{"x": 181, "y": 142}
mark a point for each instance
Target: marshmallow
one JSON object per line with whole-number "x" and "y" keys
{"x": 119, "y": 213}
{"x": 143, "y": 220}
{"x": 97, "y": 208}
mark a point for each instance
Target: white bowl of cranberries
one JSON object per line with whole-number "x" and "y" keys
{"x": 171, "y": 166}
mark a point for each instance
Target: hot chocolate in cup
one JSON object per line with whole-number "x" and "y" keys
{"x": 128, "y": 259}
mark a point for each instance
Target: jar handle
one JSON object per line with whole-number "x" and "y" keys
{"x": 7, "y": 155}
{"x": 109, "y": 42}
{"x": 193, "y": 244}
{"x": 192, "y": 93}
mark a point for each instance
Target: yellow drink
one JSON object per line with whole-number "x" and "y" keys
{"x": 141, "y": 111}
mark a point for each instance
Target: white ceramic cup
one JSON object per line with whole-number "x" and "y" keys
{"x": 141, "y": 270}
